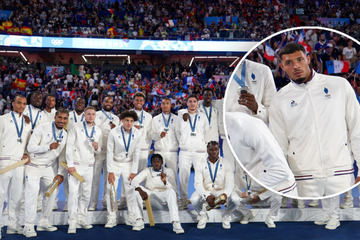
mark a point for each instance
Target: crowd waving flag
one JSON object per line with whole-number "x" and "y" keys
{"x": 335, "y": 66}
{"x": 269, "y": 52}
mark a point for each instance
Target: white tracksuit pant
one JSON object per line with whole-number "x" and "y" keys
{"x": 34, "y": 178}
{"x": 331, "y": 207}
{"x": 143, "y": 159}
{"x": 158, "y": 200}
{"x": 121, "y": 170}
{"x": 186, "y": 159}
{"x": 79, "y": 193}
{"x": 171, "y": 161}
{"x": 12, "y": 180}
{"x": 99, "y": 168}
{"x": 233, "y": 202}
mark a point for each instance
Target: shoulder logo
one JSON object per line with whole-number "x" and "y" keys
{"x": 327, "y": 94}
{"x": 293, "y": 103}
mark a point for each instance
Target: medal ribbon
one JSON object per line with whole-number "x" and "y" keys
{"x": 33, "y": 124}
{"x": 128, "y": 144}
{"x": 192, "y": 126}
{"x": 168, "y": 121}
{"x": 82, "y": 117}
{"x": 57, "y": 139}
{"x": 213, "y": 177}
{"x": 108, "y": 117}
{"x": 140, "y": 120}
{"x": 19, "y": 133}
{"x": 86, "y": 132}
{"x": 241, "y": 81}
{"x": 208, "y": 115}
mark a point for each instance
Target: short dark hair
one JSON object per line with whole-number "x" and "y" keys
{"x": 212, "y": 143}
{"x": 62, "y": 110}
{"x": 192, "y": 96}
{"x": 129, "y": 113}
{"x": 156, "y": 155}
{"x": 291, "y": 48}
{"x": 139, "y": 94}
{"x": 166, "y": 99}
{"x": 18, "y": 96}
{"x": 207, "y": 89}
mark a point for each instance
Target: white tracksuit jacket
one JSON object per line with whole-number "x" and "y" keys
{"x": 312, "y": 122}
{"x": 74, "y": 118}
{"x": 213, "y": 127}
{"x": 169, "y": 143}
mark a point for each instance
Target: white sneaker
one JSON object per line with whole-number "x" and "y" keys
{"x": 139, "y": 225}
{"x": 84, "y": 225}
{"x": 332, "y": 224}
{"x": 183, "y": 205}
{"x": 226, "y": 224}
{"x": 130, "y": 221}
{"x": 15, "y": 229}
{"x": 300, "y": 204}
{"x": 29, "y": 231}
{"x": 39, "y": 207}
{"x": 202, "y": 222}
{"x": 177, "y": 227}
{"x": 46, "y": 226}
{"x": 284, "y": 202}
{"x": 322, "y": 221}
{"x": 72, "y": 228}
{"x": 270, "y": 222}
{"x": 348, "y": 203}
{"x": 111, "y": 223}
{"x": 313, "y": 203}
{"x": 92, "y": 208}
{"x": 247, "y": 218}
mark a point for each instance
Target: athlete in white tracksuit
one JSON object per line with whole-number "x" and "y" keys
{"x": 46, "y": 144}
{"x": 206, "y": 107}
{"x": 158, "y": 188}
{"x": 257, "y": 195}
{"x": 314, "y": 118}
{"x": 214, "y": 176}
{"x": 84, "y": 140}
{"x": 192, "y": 144}
{"x": 33, "y": 110}
{"x": 258, "y": 151}
{"x": 106, "y": 120}
{"x": 122, "y": 160}
{"x": 166, "y": 140}
{"x": 12, "y": 151}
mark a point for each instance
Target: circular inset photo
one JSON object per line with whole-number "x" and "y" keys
{"x": 292, "y": 113}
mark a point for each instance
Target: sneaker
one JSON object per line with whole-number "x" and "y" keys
{"x": 284, "y": 202}
{"x": 348, "y": 203}
{"x": 322, "y": 221}
{"x": 332, "y": 224}
{"x": 46, "y": 227}
{"x": 92, "y": 208}
{"x": 111, "y": 223}
{"x": 39, "y": 208}
{"x": 226, "y": 224}
{"x": 139, "y": 225}
{"x": 29, "y": 231}
{"x": 15, "y": 230}
{"x": 130, "y": 221}
{"x": 202, "y": 222}
{"x": 313, "y": 203}
{"x": 72, "y": 228}
{"x": 247, "y": 218}
{"x": 300, "y": 204}
{"x": 177, "y": 227}
{"x": 183, "y": 205}
{"x": 84, "y": 225}
{"x": 269, "y": 221}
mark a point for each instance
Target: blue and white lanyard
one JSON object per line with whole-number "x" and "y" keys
{"x": 33, "y": 124}
{"x": 141, "y": 117}
{"x": 213, "y": 177}
{"x": 168, "y": 121}
{"x": 241, "y": 81}
{"x": 19, "y": 132}
{"x": 248, "y": 184}
{"x": 57, "y": 139}
{"x": 108, "y": 117}
{"x": 128, "y": 144}
{"x": 82, "y": 117}
{"x": 208, "y": 115}
{"x": 91, "y": 137}
{"x": 193, "y": 126}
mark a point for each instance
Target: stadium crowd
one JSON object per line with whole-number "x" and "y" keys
{"x": 173, "y": 19}
{"x": 174, "y": 81}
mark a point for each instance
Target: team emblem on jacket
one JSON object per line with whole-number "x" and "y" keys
{"x": 293, "y": 103}
{"x": 326, "y": 91}
{"x": 254, "y": 81}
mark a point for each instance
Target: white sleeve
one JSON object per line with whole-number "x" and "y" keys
{"x": 198, "y": 183}
{"x": 34, "y": 145}
{"x": 70, "y": 147}
{"x": 135, "y": 183}
{"x": 110, "y": 153}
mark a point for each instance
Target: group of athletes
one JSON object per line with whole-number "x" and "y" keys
{"x": 60, "y": 145}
